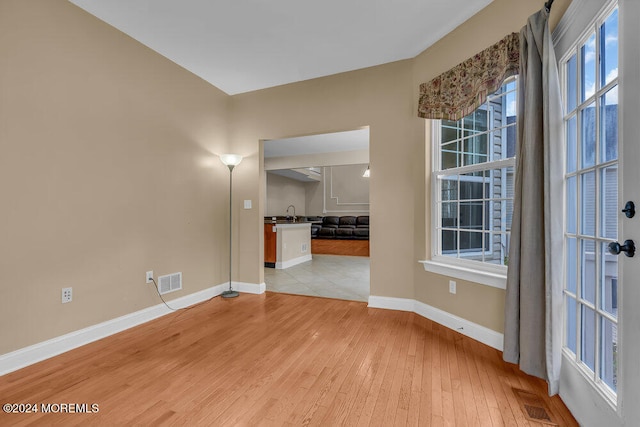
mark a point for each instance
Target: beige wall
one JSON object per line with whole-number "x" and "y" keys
{"x": 343, "y": 191}
{"x": 108, "y": 168}
{"x": 293, "y": 242}
{"x": 107, "y": 171}
{"x": 314, "y": 196}
{"x": 282, "y": 192}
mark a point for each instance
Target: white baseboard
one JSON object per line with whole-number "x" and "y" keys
{"x": 23, "y": 357}
{"x": 250, "y": 288}
{"x": 292, "y": 262}
{"x": 390, "y": 303}
{"x": 473, "y": 330}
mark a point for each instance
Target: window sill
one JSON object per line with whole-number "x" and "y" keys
{"x": 495, "y": 280}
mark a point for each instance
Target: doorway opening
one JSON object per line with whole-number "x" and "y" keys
{"x": 316, "y": 215}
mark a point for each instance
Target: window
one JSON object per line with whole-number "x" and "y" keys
{"x": 590, "y": 80}
{"x": 473, "y": 180}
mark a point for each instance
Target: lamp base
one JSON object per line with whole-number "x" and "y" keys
{"x": 230, "y": 294}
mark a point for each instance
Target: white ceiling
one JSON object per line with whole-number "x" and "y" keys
{"x": 313, "y": 144}
{"x": 244, "y": 45}
{"x": 303, "y": 175}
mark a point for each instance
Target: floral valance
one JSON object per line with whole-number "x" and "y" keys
{"x": 459, "y": 91}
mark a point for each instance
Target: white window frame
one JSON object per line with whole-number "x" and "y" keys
{"x": 592, "y": 376}
{"x": 475, "y": 271}
{"x": 475, "y": 179}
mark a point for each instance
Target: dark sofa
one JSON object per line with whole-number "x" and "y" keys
{"x": 342, "y": 227}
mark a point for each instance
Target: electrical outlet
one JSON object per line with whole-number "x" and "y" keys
{"x": 452, "y": 286}
{"x": 149, "y": 277}
{"x": 67, "y": 295}
{"x": 304, "y": 247}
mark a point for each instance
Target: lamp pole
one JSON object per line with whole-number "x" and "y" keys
{"x": 231, "y": 161}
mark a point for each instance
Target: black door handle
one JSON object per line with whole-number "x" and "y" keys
{"x": 629, "y": 248}
{"x": 629, "y": 209}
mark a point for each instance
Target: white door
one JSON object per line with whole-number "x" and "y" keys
{"x": 600, "y": 68}
{"x": 629, "y": 296}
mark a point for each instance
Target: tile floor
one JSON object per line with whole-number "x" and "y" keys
{"x": 331, "y": 276}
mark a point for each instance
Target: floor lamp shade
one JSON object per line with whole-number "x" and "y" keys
{"x": 231, "y": 161}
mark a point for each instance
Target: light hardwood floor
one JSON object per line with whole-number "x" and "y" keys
{"x": 278, "y": 359}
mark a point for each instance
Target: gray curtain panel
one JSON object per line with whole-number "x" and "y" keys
{"x": 533, "y": 308}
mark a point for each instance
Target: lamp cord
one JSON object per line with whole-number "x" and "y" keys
{"x": 160, "y": 295}
{"x": 178, "y": 309}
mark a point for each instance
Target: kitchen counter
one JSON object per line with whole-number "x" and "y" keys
{"x": 283, "y": 222}
{"x": 286, "y": 243}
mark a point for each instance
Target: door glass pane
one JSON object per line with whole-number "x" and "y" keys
{"x": 572, "y": 203}
{"x": 588, "y": 337}
{"x": 588, "y": 279}
{"x": 609, "y": 48}
{"x": 609, "y": 125}
{"x": 588, "y": 137}
{"x": 609, "y": 353}
{"x": 592, "y": 206}
{"x": 588, "y": 204}
{"x": 572, "y": 84}
{"x": 609, "y": 281}
{"x": 609, "y": 202}
{"x": 572, "y": 271}
{"x": 570, "y": 322}
{"x": 572, "y": 144}
{"x": 588, "y": 62}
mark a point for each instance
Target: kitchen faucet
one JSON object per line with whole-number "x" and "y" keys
{"x": 294, "y": 213}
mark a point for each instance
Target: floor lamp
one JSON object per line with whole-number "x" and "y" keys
{"x": 231, "y": 161}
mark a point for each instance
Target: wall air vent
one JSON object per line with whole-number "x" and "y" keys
{"x": 170, "y": 283}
